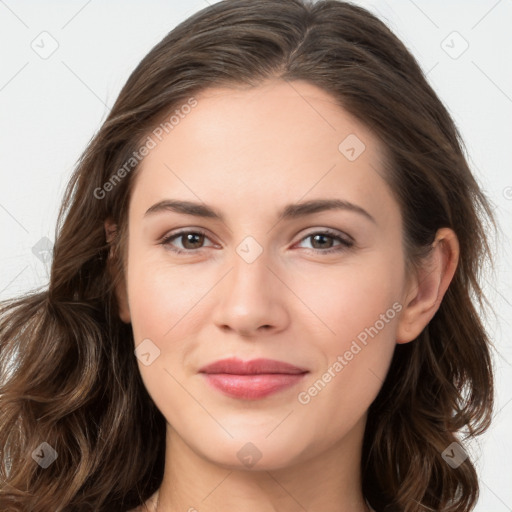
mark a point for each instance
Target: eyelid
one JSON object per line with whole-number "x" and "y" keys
{"x": 173, "y": 235}
{"x": 331, "y": 232}
{"x": 345, "y": 240}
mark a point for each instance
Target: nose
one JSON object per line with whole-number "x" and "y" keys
{"x": 252, "y": 299}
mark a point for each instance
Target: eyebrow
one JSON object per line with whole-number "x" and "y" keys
{"x": 290, "y": 211}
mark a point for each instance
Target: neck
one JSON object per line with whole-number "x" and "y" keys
{"x": 329, "y": 481}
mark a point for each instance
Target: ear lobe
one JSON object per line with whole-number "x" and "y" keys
{"x": 429, "y": 286}
{"x": 117, "y": 277}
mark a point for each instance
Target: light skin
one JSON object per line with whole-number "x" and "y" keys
{"x": 247, "y": 153}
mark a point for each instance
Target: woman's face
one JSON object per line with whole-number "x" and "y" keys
{"x": 262, "y": 276}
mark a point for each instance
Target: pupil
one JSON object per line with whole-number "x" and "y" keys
{"x": 189, "y": 239}
{"x": 317, "y": 237}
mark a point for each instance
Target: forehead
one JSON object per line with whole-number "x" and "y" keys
{"x": 280, "y": 140}
{"x": 276, "y": 116}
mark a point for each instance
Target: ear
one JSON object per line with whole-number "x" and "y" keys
{"x": 427, "y": 288}
{"x": 120, "y": 289}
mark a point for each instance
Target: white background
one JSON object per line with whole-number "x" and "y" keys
{"x": 50, "y": 108}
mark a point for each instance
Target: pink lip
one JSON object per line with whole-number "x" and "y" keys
{"x": 253, "y": 379}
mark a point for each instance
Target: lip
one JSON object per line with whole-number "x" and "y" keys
{"x": 251, "y": 380}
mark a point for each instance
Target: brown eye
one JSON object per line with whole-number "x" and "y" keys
{"x": 322, "y": 241}
{"x": 326, "y": 242}
{"x": 192, "y": 240}
{"x": 188, "y": 240}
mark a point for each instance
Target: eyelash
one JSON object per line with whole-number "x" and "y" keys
{"x": 344, "y": 243}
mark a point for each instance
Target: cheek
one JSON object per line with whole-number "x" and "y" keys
{"x": 162, "y": 297}
{"x": 349, "y": 299}
{"x": 163, "y": 306}
{"x": 354, "y": 361}
{"x": 358, "y": 303}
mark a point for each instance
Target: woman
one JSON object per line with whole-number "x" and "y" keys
{"x": 262, "y": 289}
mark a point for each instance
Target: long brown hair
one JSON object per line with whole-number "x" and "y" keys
{"x": 76, "y": 385}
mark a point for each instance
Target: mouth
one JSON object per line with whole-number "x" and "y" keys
{"x": 251, "y": 380}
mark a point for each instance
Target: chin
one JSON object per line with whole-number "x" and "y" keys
{"x": 252, "y": 452}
